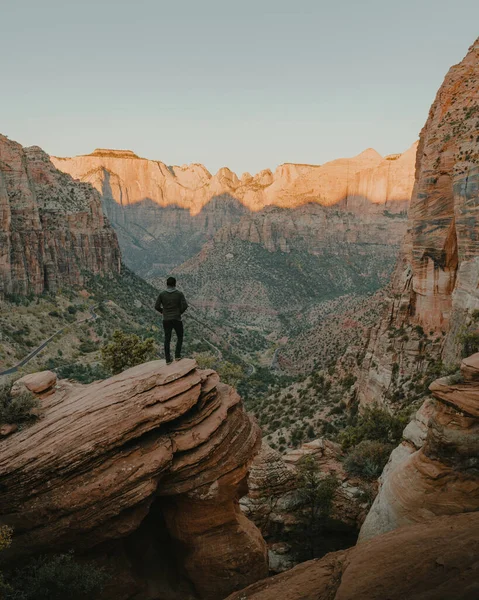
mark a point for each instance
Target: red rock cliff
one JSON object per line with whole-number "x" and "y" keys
{"x": 52, "y": 227}
{"x": 435, "y": 286}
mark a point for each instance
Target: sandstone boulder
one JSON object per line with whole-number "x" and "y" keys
{"x": 36, "y": 382}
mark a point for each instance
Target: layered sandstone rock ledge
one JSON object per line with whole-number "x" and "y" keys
{"x": 158, "y": 454}
{"x": 52, "y": 228}
{"x": 435, "y": 470}
{"x": 426, "y": 561}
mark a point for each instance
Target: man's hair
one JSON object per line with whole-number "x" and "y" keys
{"x": 171, "y": 282}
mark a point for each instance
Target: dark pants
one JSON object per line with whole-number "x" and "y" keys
{"x": 168, "y": 326}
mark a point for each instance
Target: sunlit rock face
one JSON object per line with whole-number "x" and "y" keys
{"x": 52, "y": 228}
{"x": 141, "y": 472}
{"x": 435, "y": 285}
{"x": 128, "y": 179}
{"x": 164, "y": 214}
{"x": 434, "y": 471}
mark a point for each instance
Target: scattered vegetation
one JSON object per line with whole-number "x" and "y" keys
{"x": 5, "y": 536}
{"x": 56, "y": 577}
{"x": 16, "y": 409}
{"x": 470, "y": 342}
{"x": 368, "y": 459}
{"x": 375, "y": 424}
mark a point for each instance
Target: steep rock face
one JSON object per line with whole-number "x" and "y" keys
{"x": 163, "y": 215}
{"x": 130, "y": 179}
{"x": 435, "y": 470}
{"x": 156, "y": 457}
{"x": 426, "y": 561}
{"x": 52, "y": 227}
{"x": 435, "y": 284}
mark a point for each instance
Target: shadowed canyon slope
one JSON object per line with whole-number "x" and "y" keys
{"x": 435, "y": 286}
{"x": 164, "y": 214}
{"x": 141, "y": 472}
{"x": 52, "y": 228}
{"x": 432, "y": 561}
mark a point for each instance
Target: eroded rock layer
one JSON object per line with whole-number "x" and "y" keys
{"x": 52, "y": 228}
{"x": 435, "y": 471}
{"x": 169, "y": 446}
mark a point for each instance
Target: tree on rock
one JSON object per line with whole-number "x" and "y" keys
{"x": 126, "y": 350}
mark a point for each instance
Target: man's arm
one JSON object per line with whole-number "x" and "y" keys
{"x": 183, "y": 303}
{"x": 158, "y": 305}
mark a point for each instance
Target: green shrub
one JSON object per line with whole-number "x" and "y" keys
{"x": 55, "y": 577}
{"x": 368, "y": 459}
{"x": 419, "y": 330}
{"x": 125, "y": 351}
{"x": 470, "y": 343}
{"x": 230, "y": 373}
{"x": 82, "y": 373}
{"x": 5, "y": 536}
{"x": 374, "y": 423}
{"x": 16, "y": 409}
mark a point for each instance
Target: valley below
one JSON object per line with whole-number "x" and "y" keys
{"x": 318, "y": 439}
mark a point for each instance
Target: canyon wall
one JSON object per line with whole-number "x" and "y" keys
{"x": 435, "y": 286}
{"x": 164, "y": 214}
{"x": 52, "y": 227}
{"x": 142, "y": 473}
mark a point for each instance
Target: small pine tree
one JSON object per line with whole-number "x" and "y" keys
{"x": 316, "y": 495}
{"x": 125, "y": 351}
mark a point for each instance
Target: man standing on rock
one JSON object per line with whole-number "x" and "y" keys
{"x": 171, "y": 303}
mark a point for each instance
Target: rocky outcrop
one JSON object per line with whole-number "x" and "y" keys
{"x": 435, "y": 470}
{"x": 273, "y": 502}
{"x": 52, "y": 228}
{"x": 155, "y": 207}
{"x": 143, "y": 472}
{"x": 425, "y": 561}
{"x": 434, "y": 290}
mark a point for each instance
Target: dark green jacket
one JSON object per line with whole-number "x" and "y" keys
{"x": 171, "y": 304}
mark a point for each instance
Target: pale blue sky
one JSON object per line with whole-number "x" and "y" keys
{"x": 247, "y": 84}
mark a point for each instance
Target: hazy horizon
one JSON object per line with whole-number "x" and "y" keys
{"x": 248, "y": 87}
